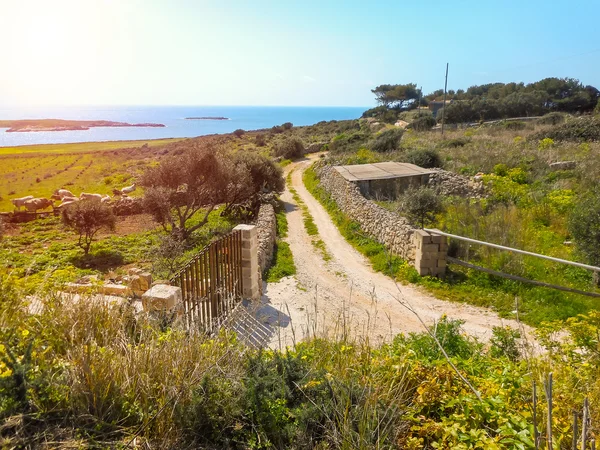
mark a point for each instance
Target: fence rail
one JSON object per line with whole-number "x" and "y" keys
{"x": 514, "y": 250}
{"x": 211, "y": 283}
{"x": 522, "y": 252}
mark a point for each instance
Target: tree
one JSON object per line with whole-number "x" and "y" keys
{"x": 290, "y": 148}
{"x": 584, "y": 225}
{"x": 239, "y": 133}
{"x": 257, "y": 176}
{"x": 398, "y": 96}
{"x": 86, "y": 218}
{"x": 198, "y": 178}
{"x": 420, "y": 205}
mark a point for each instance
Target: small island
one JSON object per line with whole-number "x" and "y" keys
{"x": 31, "y": 125}
{"x": 207, "y": 118}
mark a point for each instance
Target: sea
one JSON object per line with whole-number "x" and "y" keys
{"x": 174, "y": 117}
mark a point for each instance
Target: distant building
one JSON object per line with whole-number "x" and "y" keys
{"x": 436, "y": 105}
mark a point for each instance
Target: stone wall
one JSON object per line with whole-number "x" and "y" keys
{"x": 386, "y": 227}
{"x": 266, "y": 224}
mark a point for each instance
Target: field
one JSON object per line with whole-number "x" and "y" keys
{"x": 98, "y": 167}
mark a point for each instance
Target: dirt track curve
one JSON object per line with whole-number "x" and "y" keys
{"x": 345, "y": 293}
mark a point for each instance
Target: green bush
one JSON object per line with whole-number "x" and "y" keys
{"x": 420, "y": 205}
{"x": 348, "y": 142}
{"x": 260, "y": 140}
{"x": 290, "y": 148}
{"x": 584, "y": 225}
{"x": 426, "y": 158}
{"x": 387, "y": 141}
{"x": 553, "y": 118}
{"x": 581, "y": 129}
{"x": 287, "y": 125}
{"x": 239, "y": 133}
{"x": 423, "y": 123}
{"x": 455, "y": 143}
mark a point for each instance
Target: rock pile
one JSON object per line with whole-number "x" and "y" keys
{"x": 449, "y": 183}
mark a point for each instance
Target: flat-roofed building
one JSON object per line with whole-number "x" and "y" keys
{"x": 384, "y": 180}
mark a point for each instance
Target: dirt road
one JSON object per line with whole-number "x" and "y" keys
{"x": 345, "y": 294}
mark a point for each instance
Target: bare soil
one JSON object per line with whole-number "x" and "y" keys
{"x": 345, "y": 295}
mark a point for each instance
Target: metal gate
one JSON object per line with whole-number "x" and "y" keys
{"x": 211, "y": 283}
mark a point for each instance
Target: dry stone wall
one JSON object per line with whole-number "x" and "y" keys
{"x": 386, "y": 227}
{"x": 266, "y": 225}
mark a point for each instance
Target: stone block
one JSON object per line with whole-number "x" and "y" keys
{"x": 430, "y": 248}
{"x": 422, "y": 236}
{"x": 441, "y": 264}
{"x": 146, "y": 279}
{"x": 437, "y": 239}
{"x": 161, "y": 297}
{"x": 115, "y": 289}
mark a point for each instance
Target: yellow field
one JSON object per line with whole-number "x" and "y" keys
{"x": 96, "y": 167}
{"x": 81, "y": 146}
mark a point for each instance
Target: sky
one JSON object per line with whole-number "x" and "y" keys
{"x": 305, "y": 53}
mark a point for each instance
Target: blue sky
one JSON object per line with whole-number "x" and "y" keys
{"x": 282, "y": 52}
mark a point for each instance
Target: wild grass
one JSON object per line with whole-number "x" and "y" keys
{"x": 88, "y": 374}
{"x": 283, "y": 260}
{"x": 82, "y": 147}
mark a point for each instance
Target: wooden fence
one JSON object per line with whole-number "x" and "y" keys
{"x": 211, "y": 283}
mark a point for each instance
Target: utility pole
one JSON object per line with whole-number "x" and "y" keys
{"x": 444, "y": 107}
{"x": 420, "y": 95}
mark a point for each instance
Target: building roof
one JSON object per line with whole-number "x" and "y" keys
{"x": 380, "y": 171}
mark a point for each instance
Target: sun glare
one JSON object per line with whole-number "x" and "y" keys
{"x": 58, "y": 53}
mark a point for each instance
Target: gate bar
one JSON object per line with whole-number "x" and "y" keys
{"x": 515, "y": 250}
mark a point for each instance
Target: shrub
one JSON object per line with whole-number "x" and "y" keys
{"x": 420, "y": 205}
{"x": 387, "y": 141}
{"x": 290, "y": 148}
{"x": 423, "y": 123}
{"x": 348, "y": 142}
{"x": 239, "y": 133}
{"x": 513, "y": 125}
{"x": 455, "y": 143}
{"x": 426, "y": 158}
{"x": 581, "y": 129}
{"x": 504, "y": 343}
{"x": 501, "y": 170}
{"x": 545, "y": 144}
{"x": 260, "y": 140}
{"x": 584, "y": 225}
{"x": 287, "y": 125}
{"x": 553, "y": 118}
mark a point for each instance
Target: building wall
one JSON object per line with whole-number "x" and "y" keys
{"x": 424, "y": 251}
{"x": 390, "y": 188}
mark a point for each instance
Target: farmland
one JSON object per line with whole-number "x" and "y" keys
{"x": 99, "y": 167}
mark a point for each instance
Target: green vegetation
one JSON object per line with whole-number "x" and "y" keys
{"x": 421, "y": 205}
{"x": 83, "y": 147}
{"x": 283, "y": 261}
{"x": 489, "y": 101}
{"x": 309, "y": 224}
{"x": 89, "y": 375}
{"x": 87, "y": 218}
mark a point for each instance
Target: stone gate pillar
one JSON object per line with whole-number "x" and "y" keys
{"x": 251, "y": 277}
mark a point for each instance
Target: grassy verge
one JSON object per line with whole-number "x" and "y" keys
{"x": 535, "y": 304}
{"x": 309, "y": 223}
{"x": 283, "y": 261}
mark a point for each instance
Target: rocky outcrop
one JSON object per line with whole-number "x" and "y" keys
{"x": 127, "y": 206}
{"x": 449, "y": 183}
{"x": 266, "y": 224}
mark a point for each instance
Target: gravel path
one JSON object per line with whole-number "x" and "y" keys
{"x": 345, "y": 295}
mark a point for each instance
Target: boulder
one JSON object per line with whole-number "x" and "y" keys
{"x": 563, "y": 165}
{"x": 161, "y": 297}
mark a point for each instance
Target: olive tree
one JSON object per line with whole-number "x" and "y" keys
{"x": 420, "y": 205}
{"x": 198, "y": 178}
{"x": 87, "y": 218}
